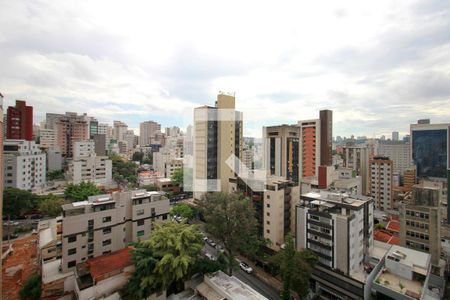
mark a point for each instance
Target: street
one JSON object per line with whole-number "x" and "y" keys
{"x": 253, "y": 281}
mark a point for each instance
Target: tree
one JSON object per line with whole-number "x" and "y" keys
{"x": 50, "y": 205}
{"x": 124, "y": 172}
{"x": 295, "y": 268}
{"x": 182, "y": 210}
{"x": 177, "y": 177}
{"x": 56, "y": 175}
{"x": 230, "y": 218}
{"x": 178, "y": 246}
{"x": 31, "y": 289}
{"x": 81, "y": 191}
{"x": 138, "y": 156}
{"x": 150, "y": 187}
{"x": 143, "y": 282}
{"x": 17, "y": 201}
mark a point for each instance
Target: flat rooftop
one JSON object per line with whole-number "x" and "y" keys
{"x": 410, "y": 257}
{"x": 233, "y": 287}
{"x": 336, "y": 198}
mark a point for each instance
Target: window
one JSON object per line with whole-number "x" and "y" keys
{"x": 140, "y": 233}
{"x": 106, "y": 252}
{"x": 107, "y": 230}
{"x": 72, "y": 251}
{"x": 71, "y": 264}
{"x": 140, "y": 222}
{"x": 164, "y": 217}
{"x": 268, "y": 205}
{"x": 140, "y": 212}
{"x": 268, "y": 214}
{"x": 72, "y": 238}
{"x": 106, "y": 219}
{"x": 106, "y": 242}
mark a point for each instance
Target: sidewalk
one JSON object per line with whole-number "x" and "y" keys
{"x": 263, "y": 275}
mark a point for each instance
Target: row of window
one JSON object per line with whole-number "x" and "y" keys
{"x": 417, "y": 224}
{"x": 417, "y": 214}
{"x": 418, "y": 235}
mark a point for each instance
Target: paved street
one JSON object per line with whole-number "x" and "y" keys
{"x": 250, "y": 279}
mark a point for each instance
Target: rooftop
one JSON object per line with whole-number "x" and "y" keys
{"x": 393, "y": 226}
{"x": 336, "y": 198}
{"x": 105, "y": 264}
{"x": 386, "y": 237}
{"x": 233, "y": 288}
{"x": 410, "y": 257}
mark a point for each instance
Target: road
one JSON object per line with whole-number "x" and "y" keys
{"x": 254, "y": 282}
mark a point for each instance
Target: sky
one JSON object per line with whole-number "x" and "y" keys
{"x": 379, "y": 65}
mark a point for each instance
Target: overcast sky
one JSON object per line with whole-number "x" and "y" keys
{"x": 379, "y": 65}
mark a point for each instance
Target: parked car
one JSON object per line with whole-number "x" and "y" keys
{"x": 220, "y": 248}
{"x": 211, "y": 243}
{"x": 246, "y": 268}
{"x": 205, "y": 238}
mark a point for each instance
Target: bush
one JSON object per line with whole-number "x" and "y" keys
{"x": 31, "y": 289}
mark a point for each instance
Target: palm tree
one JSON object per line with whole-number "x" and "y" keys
{"x": 143, "y": 281}
{"x": 177, "y": 245}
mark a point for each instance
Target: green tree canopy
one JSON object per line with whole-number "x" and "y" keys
{"x": 138, "y": 156}
{"x": 56, "y": 175}
{"x": 50, "y": 205}
{"x": 144, "y": 281}
{"x": 182, "y": 210}
{"x": 17, "y": 201}
{"x": 295, "y": 268}
{"x": 150, "y": 187}
{"x": 123, "y": 172}
{"x": 230, "y": 218}
{"x": 178, "y": 246}
{"x": 81, "y": 191}
{"x": 177, "y": 177}
{"x": 31, "y": 289}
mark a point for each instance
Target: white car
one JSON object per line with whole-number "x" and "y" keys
{"x": 205, "y": 238}
{"x": 246, "y": 268}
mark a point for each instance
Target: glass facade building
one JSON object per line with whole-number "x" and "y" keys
{"x": 429, "y": 152}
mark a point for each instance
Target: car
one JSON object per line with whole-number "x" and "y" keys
{"x": 246, "y": 268}
{"x": 210, "y": 256}
{"x": 205, "y": 238}
{"x": 211, "y": 243}
{"x": 220, "y": 248}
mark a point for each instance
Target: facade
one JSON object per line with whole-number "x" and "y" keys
{"x": 20, "y": 122}
{"x": 71, "y": 128}
{"x": 420, "y": 220}
{"x": 429, "y": 149}
{"x": 1, "y": 180}
{"x": 339, "y": 229}
{"x": 217, "y": 137}
{"x": 54, "y": 160}
{"x": 24, "y": 165}
{"x": 395, "y": 136}
{"x": 248, "y": 158}
{"x": 48, "y": 139}
{"x": 120, "y": 128}
{"x": 128, "y": 137}
{"x": 310, "y": 147}
{"x": 147, "y": 132}
{"x": 282, "y": 145}
{"x": 279, "y": 201}
{"x": 399, "y": 152}
{"x": 87, "y": 166}
{"x": 100, "y": 144}
{"x": 381, "y": 171}
{"x": 326, "y": 137}
{"x": 107, "y": 223}
{"x": 357, "y": 158}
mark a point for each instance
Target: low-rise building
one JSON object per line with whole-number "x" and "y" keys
{"x": 107, "y": 223}
{"x": 24, "y": 165}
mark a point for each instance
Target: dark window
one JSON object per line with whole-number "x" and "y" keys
{"x": 106, "y": 242}
{"x": 106, "y": 219}
{"x": 140, "y": 222}
{"x": 72, "y": 238}
{"x": 72, "y": 251}
{"x": 71, "y": 264}
{"x": 107, "y": 230}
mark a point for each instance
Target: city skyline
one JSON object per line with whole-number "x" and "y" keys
{"x": 380, "y": 65}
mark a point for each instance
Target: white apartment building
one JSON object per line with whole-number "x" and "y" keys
{"x": 381, "y": 176}
{"x": 48, "y": 139}
{"x": 24, "y": 165}
{"x": 120, "y": 128}
{"x": 339, "y": 229}
{"x": 357, "y": 158}
{"x": 399, "y": 152}
{"x": 107, "y": 223}
{"x": 87, "y": 166}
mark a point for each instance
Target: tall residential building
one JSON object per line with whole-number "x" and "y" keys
{"x": 399, "y": 152}
{"x": 282, "y": 148}
{"x": 20, "y": 122}
{"x": 120, "y": 128}
{"x": 1, "y": 183}
{"x": 357, "y": 158}
{"x": 24, "y": 164}
{"x": 52, "y": 119}
{"x": 279, "y": 201}
{"x": 48, "y": 139}
{"x": 100, "y": 144}
{"x": 420, "y": 220}
{"x": 147, "y": 132}
{"x": 395, "y": 136}
{"x": 102, "y": 128}
{"x": 429, "y": 149}
{"x": 93, "y": 127}
{"x": 310, "y": 147}
{"x": 107, "y": 223}
{"x": 217, "y": 137}
{"x": 87, "y": 166}
{"x": 71, "y": 128}
{"x": 381, "y": 182}
{"x": 128, "y": 137}
{"x": 339, "y": 229}
{"x": 326, "y": 137}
